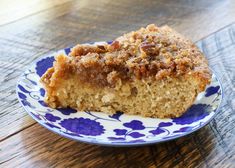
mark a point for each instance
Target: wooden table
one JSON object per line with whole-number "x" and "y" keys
{"x": 29, "y": 29}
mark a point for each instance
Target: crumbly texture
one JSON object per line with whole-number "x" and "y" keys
{"x": 152, "y": 72}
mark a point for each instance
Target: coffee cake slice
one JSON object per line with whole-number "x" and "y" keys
{"x": 152, "y": 72}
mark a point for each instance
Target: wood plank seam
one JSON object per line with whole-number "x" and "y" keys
{"x": 9, "y": 136}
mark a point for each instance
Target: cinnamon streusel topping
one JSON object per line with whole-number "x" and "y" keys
{"x": 149, "y": 52}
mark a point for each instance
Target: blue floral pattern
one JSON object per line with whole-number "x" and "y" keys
{"x": 134, "y": 125}
{"x": 184, "y": 129}
{"x": 116, "y": 129}
{"x": 51, "y": 117}
{"x": 66, "y": 111}
{"x": 117, "y": 115}
{"x": 24, "y": 100}
{"x": 195, "y": 113}
{"x": 120, "y": 131}
{"x": 212, "y": 90}
{"x": 157, "y": 131}
{"x": 42, "y": 92}
{"x": 42, "y": 103}
{"x": 43, "y": 65}
{"x": 136, "y": 135}
{"x": 67, "y": 51}
{"x": 161, "y": 128}
{"x": 83, "y": 126}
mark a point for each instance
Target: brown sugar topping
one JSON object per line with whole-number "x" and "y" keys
{"x": 149, "y": 52}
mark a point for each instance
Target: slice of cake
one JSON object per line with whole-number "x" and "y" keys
{"x": 152, "y": 72}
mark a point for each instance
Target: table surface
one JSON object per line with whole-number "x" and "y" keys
{"x": 30, "y": 29}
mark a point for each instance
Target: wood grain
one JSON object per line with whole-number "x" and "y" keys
{"x": 11, "y": 10}
{"x": 57, "y": 24}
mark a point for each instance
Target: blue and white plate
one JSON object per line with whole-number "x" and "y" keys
{"x": 117, "y": 129}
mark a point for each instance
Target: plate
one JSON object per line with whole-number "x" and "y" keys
{"x": 112, "y": 130}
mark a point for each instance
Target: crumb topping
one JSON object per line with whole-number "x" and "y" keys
{"x": 148, "y": 52}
